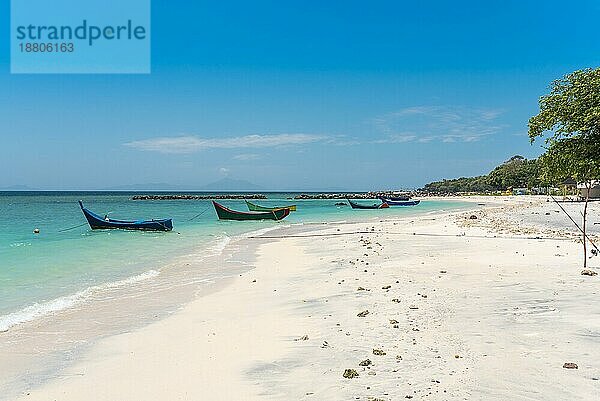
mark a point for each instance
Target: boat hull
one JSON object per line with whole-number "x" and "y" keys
{"x": 257, "y": 208}
{"x": 225, "y": 213}
{"x": 400, "y": 203}
{"x": 355, "y": 205}
{"x": 98, "y": 223}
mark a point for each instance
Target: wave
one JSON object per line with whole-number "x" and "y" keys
{"x": 38, "y": 310}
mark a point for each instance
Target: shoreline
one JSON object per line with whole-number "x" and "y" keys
{"x": 62, "y": 335}
{"x": 236, "y": 292}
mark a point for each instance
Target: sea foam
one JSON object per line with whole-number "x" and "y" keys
{"x": 38, "y": 310}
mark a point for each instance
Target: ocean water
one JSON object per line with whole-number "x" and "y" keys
{"x": 53, "y": 270}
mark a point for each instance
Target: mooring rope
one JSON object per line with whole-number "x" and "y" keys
{"x": 576, "y": 225}
{"x": 72, "y": 228}
{"x": 199, "y": 214}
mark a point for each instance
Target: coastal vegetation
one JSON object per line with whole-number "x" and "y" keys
{"x": 569, "y": 121}
{"x": 517, "y": 172}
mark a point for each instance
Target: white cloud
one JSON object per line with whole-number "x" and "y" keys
{"x": 425, "y": 124}
{"x": 192, "y": 143}
{"x": 247, "y": 157}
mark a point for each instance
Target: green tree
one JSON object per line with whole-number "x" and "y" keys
{"x": 517, "y": 172}
{"x": 569, "y": 121}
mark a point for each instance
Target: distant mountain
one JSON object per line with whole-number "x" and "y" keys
{"x": 230, "y": 184}
{"x": 146, "y": 187}
{"x": 17, "y": 188}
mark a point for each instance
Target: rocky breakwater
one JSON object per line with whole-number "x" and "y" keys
{"x": 359, "y": 195}
{"x": 197, "y": 196}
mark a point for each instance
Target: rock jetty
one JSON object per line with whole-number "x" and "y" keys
{"x": 198, "y": 197}
{"x": 349, "y": 195}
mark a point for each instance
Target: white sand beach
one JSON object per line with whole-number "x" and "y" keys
{"x": 453, "y": 308}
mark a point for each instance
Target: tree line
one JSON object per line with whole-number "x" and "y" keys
{"x": 517, "y": 172}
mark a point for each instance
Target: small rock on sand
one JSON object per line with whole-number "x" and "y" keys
{"x": 363, "y": 313}
{"x": 588, "y": 272}
{"x": 393, "y": 321}
{"x": 366, "y": 362}
{"x": 350, "y": 373}
{"x": 570, "y": 365}
{"x": 378, "y": 352}
{"x": 386, "y": 287}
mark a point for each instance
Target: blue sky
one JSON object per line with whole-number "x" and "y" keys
{"x": 299, "y": 95}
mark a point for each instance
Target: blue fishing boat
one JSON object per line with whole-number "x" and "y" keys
{"x": 96, "y": 222}
{"x": 400, "y": 203}
{"x": 355, "y": 205}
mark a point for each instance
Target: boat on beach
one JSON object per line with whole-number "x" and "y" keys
{"x": 257, "y": 208}
{"x": 96, "y": 222}
{"x": 355, "y": 205}
{"x": 392, "y": 202}
{"x": 225, "y": 213}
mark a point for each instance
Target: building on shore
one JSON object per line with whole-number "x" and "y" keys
{"x": 594, "y": 190}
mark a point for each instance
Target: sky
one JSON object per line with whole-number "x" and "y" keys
{"x": 299, "y": 95}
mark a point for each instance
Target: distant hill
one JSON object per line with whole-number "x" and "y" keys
{"x": 17, "y": 188}
{"x": 230, "y": 184}
{"x": 146, "y": 187}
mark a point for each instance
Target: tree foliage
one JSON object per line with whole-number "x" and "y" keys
{"x": 517, "y": 172}
{"x": 576, "y": 157}
{"x": 569, "y": 119}
{"x": 571, "y": 108}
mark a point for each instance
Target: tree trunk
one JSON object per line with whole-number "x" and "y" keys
{"x": 587, "y": 198}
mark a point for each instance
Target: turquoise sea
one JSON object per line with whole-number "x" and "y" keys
{"x": 47, "y": 272}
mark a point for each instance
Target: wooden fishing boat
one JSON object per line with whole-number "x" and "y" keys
{"x": 355, "y": 205}
{"x": 400, "y": 203}
{"x": 96, "y": 222}
{"x": 225, "y": 213}
{"x": 257, "y": 208}
{"x": 397, "y": 198}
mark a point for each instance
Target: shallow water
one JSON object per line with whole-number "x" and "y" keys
{"x": 53, "y": 270}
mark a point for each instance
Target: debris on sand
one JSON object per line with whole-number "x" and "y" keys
{"x": 386, "y": 287}
{"x": 413, "y": 307}
{"x": 570, "y": 365}
{"x": 443, "y": 271}
{"x": 473, "y": 217}
{"x": 378, "y": 352}
{"x": 588, "y": 272}
{"x": 350, "y": 373}
{"x": 396, "y": 300}
{"x": 363, "y": 313}
{"x": 394, "y": 321}
{"x": 366, "y": 362}
{"x": 303, "y": 338}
